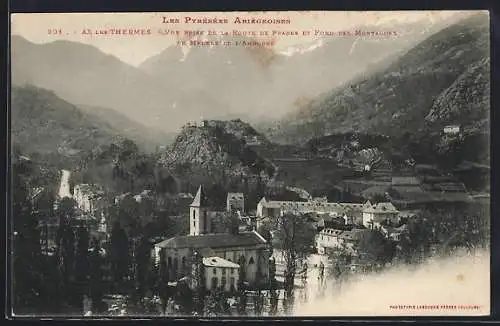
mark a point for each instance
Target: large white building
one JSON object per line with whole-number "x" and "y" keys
{"x": 249, "y": 250}
{"x": 221, "y": 273}
{"x": 273, "y": 208}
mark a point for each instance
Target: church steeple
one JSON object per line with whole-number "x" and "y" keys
{"x": 199, "y": 219}
{"x": 200, "y": 200}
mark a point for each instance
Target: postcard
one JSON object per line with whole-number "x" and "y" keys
{"x": 250, "y": 164}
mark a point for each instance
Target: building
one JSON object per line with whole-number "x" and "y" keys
{"x": 88, "y": 198}
{"x": 394, "y": 233}
{"x": 328, "y": 238}
{"x": 353, "y": 216}
{"x": 235, "y": 202}
{"x": 220, "y": 273}
{"x": 247, "y": 249}
{"x": 271, "y": 208}
{"x": 451, "y": 130}
{"x": 376, "y": 214}
{"x": 332, "y": 239}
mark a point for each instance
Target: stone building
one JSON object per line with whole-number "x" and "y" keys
{"x": 249, "y": 250}
{"x": 235, "y": 202}
{"x": 274, "y": 208}
{"x": 221, "y": 273}
{"x": 376, "y": 214}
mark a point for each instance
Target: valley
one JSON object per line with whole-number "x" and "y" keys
{"x": 215, "y": 181}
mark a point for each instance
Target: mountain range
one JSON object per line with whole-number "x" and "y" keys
{"x": 443, "y": 80}
{"x": 173, "y": 87}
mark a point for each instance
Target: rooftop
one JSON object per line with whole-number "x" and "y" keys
{"x": 331, "y": 231}
{"x": 201, "y": 199}
{"x": 381, "y": 208}
{"x": 217, "y": 240}
{"x": 219, "y": 262}
{"x": 356, "y": 234}
{"x": 311, "y": 206}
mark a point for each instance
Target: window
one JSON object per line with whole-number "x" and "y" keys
{"x": 214, "y": 283}
{"x": 251, "y": 261}
{"x": 232, "y": 270}
{"x": 169, "y": 262}
{"x": 223, "y": 271}
{"x": 215, "y": 270}
{"x": 205, "y": 221}
{"x": 223, "y": 282}
{"x": 176, "y": 264}
{"x": 233, "y": 284}
{"x": 183, "y": 263}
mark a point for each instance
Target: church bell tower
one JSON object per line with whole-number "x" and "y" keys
{"x": 199, "y": 217}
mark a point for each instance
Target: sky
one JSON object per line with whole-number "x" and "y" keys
{"x": 135, "y": 49}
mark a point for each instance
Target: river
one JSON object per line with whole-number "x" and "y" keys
{"x": 457, "y": 285}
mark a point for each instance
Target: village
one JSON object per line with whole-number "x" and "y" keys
{"x": 239, "y": 249}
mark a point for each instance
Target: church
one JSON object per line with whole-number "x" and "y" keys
{"x": 249, "y": 250}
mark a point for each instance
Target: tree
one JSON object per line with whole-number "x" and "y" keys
{"x": 198, "y": 274}
{"x": 184, "y": 296}
{"x": 258, "y": 303}
{"x": 142, "y": 262}
{"x": 226, "y": 222}
{"x": 66, "y": 251}
{"x": 296, "y": 239}
{"x": 119, "y": 255}
{"x": 242, "y": 301}
{"x": 96, "y": 261}
{"x": 65, "y": 240}
{"x": 378, "y": 198}
{"x": 82, "y": 263}
{"x": 66, "y": 210}
{"x": 26, "y": 260}
{"x": 128, "y": 214}
{"x": 216, "y": 303}
{"x": 375, "y": 247}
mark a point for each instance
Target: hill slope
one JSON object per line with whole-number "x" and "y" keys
{"x": 45, "y": 124}
{"x": 398, "y": 99}
{"x": 84, "y": 75}
{"x": 146, "y": 138}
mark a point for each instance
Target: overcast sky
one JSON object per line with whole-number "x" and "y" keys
{"x": 135, "y": 49}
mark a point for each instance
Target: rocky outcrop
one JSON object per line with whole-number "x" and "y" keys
{"x": 216, "y": 147}
{"x": 466, "y": 101}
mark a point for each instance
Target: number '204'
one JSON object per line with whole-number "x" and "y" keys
{"x": 55, "y": 31}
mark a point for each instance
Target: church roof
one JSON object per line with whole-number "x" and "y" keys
{"x": 217, "y": 240}
{"x": 200, "y": 200}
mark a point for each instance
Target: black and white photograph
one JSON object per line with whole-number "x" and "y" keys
{"x": 250, "y": 164}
